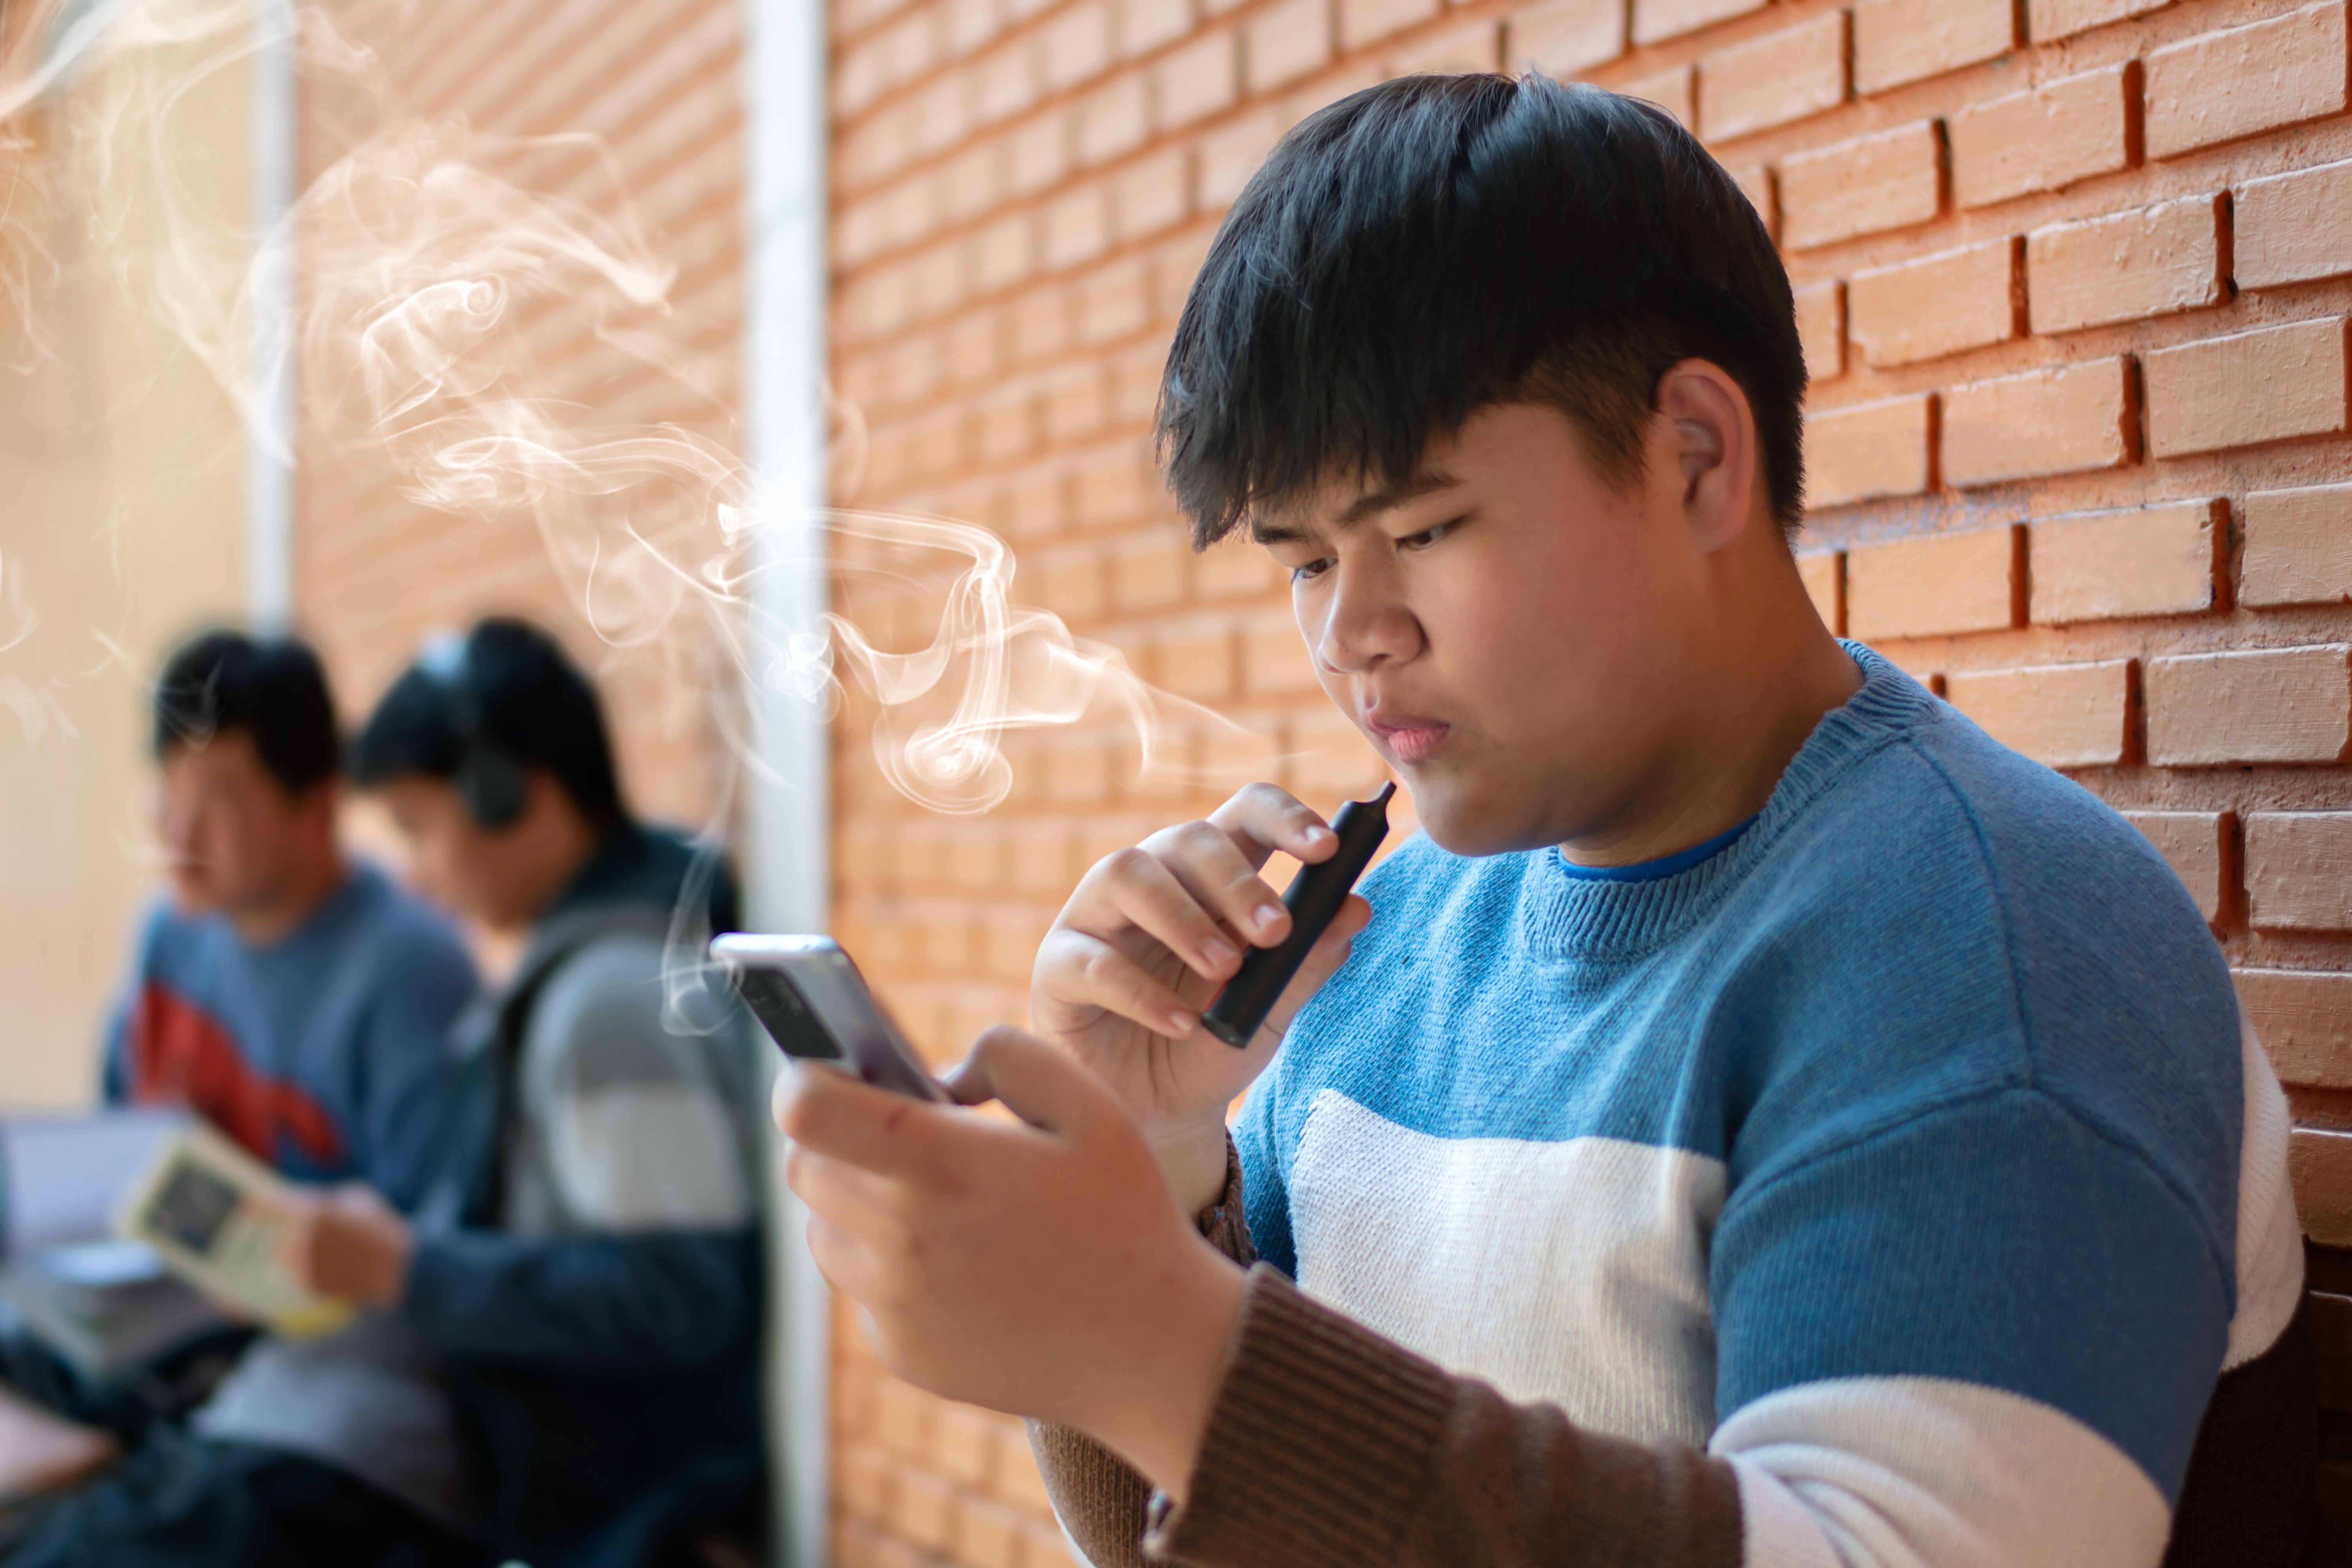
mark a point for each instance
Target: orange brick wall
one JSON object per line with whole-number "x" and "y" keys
{"x": 659, "y": 83}
{"x": 2070, "y": 275}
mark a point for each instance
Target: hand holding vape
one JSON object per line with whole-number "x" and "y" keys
{"x": 1312, "y": 898}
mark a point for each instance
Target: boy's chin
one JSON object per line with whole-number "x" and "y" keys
{"x": 1461, "y": 818}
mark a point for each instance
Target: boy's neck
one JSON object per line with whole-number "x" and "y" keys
{"x": 1756, "y": 681}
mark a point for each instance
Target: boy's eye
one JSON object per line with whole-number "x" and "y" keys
{"x": 1427, "y": 536}
{"x": 1310, "y": 570}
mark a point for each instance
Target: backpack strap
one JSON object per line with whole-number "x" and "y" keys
{"x": 468, "y": 1183}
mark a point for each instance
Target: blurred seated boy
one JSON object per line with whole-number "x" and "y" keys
{"x": 578, "y": 1301}
{"x": 302, "y": 1003}
{"x": 587, "y": 1263}
{"x": 1763, "y": 1122}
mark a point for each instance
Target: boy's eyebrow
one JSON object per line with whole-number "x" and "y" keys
{"x": 1425, "y": 482}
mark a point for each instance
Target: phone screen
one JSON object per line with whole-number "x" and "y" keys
{"x": 816, "y": 1006}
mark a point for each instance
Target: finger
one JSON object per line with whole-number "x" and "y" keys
{"x": 1263, "y": 819}
{"x": 1042, "y": 1086}
{"x": 1208, "y": 863}
{"x": 832, "y": 1113}
{"x": 1078, "y": 970}
{"x": 1134, "y": 888}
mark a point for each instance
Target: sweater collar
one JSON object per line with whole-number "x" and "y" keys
{"x": 1564, "y": 917}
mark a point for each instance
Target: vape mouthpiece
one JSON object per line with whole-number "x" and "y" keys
{"x": 1315, "y": 896}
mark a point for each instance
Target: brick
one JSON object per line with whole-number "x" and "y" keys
{"x": 2243, "y": 80}
{"x": 1114, "y": 302}
{"x": 2297, "y": 547}
{"x": 1937, "y": 585}
{"x": 1285, "y": 43}
{"x": 969, "y": 183}
{"x": 2191, "y": 843}
{"x": 1151, "y": 195}
{"x": 2043, "y": 139}
{"x": 1897, "y": 41}
{"x": 1756, "y": 183}
{"x": 1173, "y": 267}
{"x": 1820, "y": 329}
{"x": 1657, "y": 19}
{"x": 1232, "y": 154}
{"x": 2319, "y": 1164}
{"x": 2048, "y": 19}
{"x": 1198, "y": 664}
{"x": 1003, "y": 252}
{"x": 1146, "y": 25}
{"x": 1363, "y": 22}
{"x": 1823, "y": 574}
{"x": 1890, "y": 179}
{"x": 1038, "y": 154}
{"x": 1073, "y": 404}
{"x": 968, "y": 25}
{"x": 2062, "y": 716}
{"x": 924, "y": 1508}
{"x": 1863, "y": 451}
{"x": 1044, "y": 1546}
{"x": 1148, "y": 574}
{"x": 1112, "y": 120}
{"x": 988, "y": 1536}
{"x": 2158, "y": 560}
{"x": 1563, "y": 38}
{"x": 1934, "y": 305}
{"x": 1192, "y": 83}
{"x": 2239, "y": 391}
{"x": 1077, "y": 227}
{"x": 1455, "y": 52}
{"x": 2056, "y": 421}
{"x": 963, "y": 1441}
{"x": 1670, "y": 89}
{"x": 2152, "y": 262}
{"x": 1038, "y": 325}
{"x": 1332, "y": 762}
{"x": 2303, "y": 1019}
{"x": 2270, "y": 705}
{"x": 1074, "y": 46}
{"x": 2293, "y": 228}
{"x": 2299, "y": 870}
{"x": 1275, "y": 661}
{"x": 1773, "y": 81}
{"x": 998, "y": 85}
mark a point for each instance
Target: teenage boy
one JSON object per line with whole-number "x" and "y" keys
{"x": 564, "y": 1340}
{"x": 300, "y": 1002}
{"x": 295, "y": 998}
{"x": 1762, "y": 1122}
{"x": 587, "y": 1264}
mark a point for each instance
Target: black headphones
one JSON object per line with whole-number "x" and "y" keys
{"x": 490, "y": 779}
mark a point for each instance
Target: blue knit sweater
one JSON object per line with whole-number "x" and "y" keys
{"x": 1908, "y": 1150}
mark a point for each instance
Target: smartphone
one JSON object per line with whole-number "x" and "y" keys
{"x": 814, "y": 1005}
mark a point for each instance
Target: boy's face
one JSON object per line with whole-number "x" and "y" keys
{"x": 1508, "y": 628}
{"x": 502, "y": 877}
{"x": 234, "y": 841}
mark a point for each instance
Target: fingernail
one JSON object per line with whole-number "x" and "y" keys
{"x": 1218, "y": 951}
{"x": 1265, "y": 916}
{"x": 1316, "y": 835}
{"x": 1183, "y": 1023}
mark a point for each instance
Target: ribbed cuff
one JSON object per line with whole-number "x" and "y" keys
{"x": 1318, "y": 1449}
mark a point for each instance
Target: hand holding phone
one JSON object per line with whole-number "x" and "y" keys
{"x": 816, "y": 1006}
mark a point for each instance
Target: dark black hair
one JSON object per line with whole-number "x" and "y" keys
{"x": 1435, "y": 244}
{"x": 273, "y": 690}
{"x": 505, "y": 693}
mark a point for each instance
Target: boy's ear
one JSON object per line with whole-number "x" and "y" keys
{"x": 1711, "y": 432}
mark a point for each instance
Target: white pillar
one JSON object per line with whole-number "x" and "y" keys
{"x": 787, "y": 818}
{"x": 269, "y": 423}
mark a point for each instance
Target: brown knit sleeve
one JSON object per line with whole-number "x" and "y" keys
{"x": 1099, "y": 1497}
{"x": 1328, "y": 1444}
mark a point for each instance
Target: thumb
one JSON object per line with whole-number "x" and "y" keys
{"x": 1040, "y": 1083}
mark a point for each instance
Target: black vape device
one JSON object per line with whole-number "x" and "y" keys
{"x": 1313, "y": 897}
